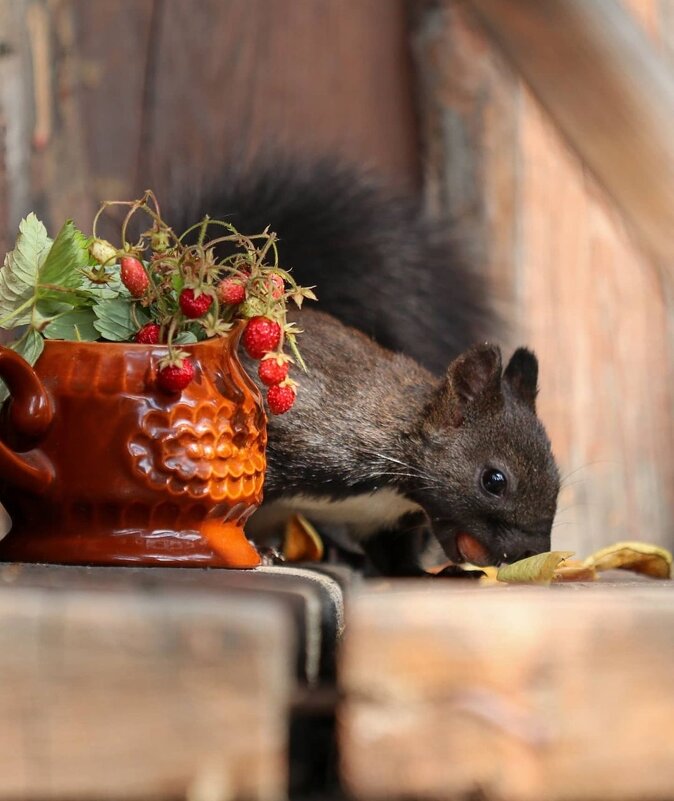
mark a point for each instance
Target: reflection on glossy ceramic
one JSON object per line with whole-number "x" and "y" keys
{"x": 98, "y": 466}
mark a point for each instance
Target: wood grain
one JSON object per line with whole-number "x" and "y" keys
{"x": 133, "y": 694}
{"x": 512, "y": 694}
{"x": 612, "y": 96}
{"x": 267, "y": 76}
{"x": 166, "y": 93}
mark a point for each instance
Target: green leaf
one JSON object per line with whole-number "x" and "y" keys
{"x": 114, "y": 320}
{"x": 19, "y": 274}
{"x": 75, "y": 325}
{"x": 30, "y": 346}
{"x": 537, "y": 569}
{"x": 68, "y": 255}
{"x": 184, "y": 338}
{"x": 113, "y": 289}
{"x": 49, "y": 307}
{"x": 39, "y": 269}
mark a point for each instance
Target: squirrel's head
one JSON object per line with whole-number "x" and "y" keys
{"x": 491, "y": 480}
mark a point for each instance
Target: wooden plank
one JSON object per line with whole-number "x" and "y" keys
{"x": 568, "y": 279}
{"x": 116, "y": 40}
{"x": 609, "y": 93}
{"x": 313, "y": 601}
{"x": 562, "y": 693}
{"x": 16, "y": 112}
{"x": 279, "y": 78}
{"x": 141, "y": 695}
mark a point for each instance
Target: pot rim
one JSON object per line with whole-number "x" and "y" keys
{"x": 236, "y": 330}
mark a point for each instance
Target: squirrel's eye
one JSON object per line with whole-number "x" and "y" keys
{"x": 494, "y": 482}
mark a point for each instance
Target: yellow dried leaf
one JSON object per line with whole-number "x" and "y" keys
{"x": 575, "y": 572}
{"x": 301, "y": 543}
{"x": 650, "y": 560}
{"x": 538, "y": 569}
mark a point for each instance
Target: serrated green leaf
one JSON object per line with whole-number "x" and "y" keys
{"x": 114, "y": 320}
{"x": 19, "y": 274}
{"x": 73, "y": 298}
{"x": 39, "y": 270}
{"x": 30, "y": 346}
{"x": 68, "y": 255}
{"x": 77, "y": 325}
{"x": 114, "y": 288}
{"x": 84, "y": 242}
{"x": 538, "y": 569}
{"x": 49, "y": 307}
{"x": 184, "y": 338}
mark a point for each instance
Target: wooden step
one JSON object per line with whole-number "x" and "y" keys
{"x": 122, "y": 684}
{"x": 517, "y": 694}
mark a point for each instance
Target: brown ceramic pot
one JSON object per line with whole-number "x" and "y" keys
{"x": 98, "y": 466}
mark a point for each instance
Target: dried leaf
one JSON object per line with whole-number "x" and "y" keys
{"x": 302, "y": 543}
{"x": 650, "y": 560}
{"x": 538, "y": 569}
{"x": 574, "y": 573}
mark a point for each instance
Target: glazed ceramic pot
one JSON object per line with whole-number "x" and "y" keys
{"x": 99, "y": 466}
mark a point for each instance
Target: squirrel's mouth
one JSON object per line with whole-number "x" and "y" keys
{"x": 462, "y": 547}
{"x": 472, "y": 550}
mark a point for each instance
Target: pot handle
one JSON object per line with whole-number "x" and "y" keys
{"x": 30, "y": 414}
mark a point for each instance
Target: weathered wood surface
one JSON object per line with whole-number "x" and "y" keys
{"x": 610, "y": 93}
{"x": 141, "y": 692}
{"x": 563, "y": 693}
{"x": 101, "y": 100}
{"x": 566, "y": 274}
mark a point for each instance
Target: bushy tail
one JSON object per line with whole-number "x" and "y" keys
{"x": 377, "y": 261}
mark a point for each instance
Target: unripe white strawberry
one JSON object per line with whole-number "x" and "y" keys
{"x": 102, "y": 251}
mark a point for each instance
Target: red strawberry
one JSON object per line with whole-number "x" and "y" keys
{"x": 175, "y": 377}
{"x": 280, "y": 398}
{"x": 261, "y": 336}
{"x": 273, "y": 371}
{"x": 148, "y": 334}
{"x": 231, "y": 291}
{"x": 192, "y": 306}
{"x": 277, "y": 286}
{"x": 134, "y": 277}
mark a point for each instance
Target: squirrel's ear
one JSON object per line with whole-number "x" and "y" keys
{"x": 473, "y": 377}
{"x": 522, "y": 376}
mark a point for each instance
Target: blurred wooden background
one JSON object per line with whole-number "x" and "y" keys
{"x": 103, "y": 98}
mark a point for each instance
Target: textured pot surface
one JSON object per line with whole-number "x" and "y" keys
{"x": 110, "y": 469}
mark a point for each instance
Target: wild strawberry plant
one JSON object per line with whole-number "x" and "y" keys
{"x": 165, "y": 288}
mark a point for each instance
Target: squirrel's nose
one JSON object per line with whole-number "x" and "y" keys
{"x": 521, "y": 545}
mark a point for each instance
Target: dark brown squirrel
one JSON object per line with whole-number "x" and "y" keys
{"x": 377, "y": 443}
{"x": 378, "y": 447}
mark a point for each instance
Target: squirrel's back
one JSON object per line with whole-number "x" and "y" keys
{"x": 378, "y": 261}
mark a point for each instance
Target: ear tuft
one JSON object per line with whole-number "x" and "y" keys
{"x": 521, "y": 374}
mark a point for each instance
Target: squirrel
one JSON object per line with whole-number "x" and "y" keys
{"x": 402, "y": 426}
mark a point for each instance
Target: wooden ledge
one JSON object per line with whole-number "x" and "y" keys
{"x": 128, "y": 693}
{"x": 516, "y": 693}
